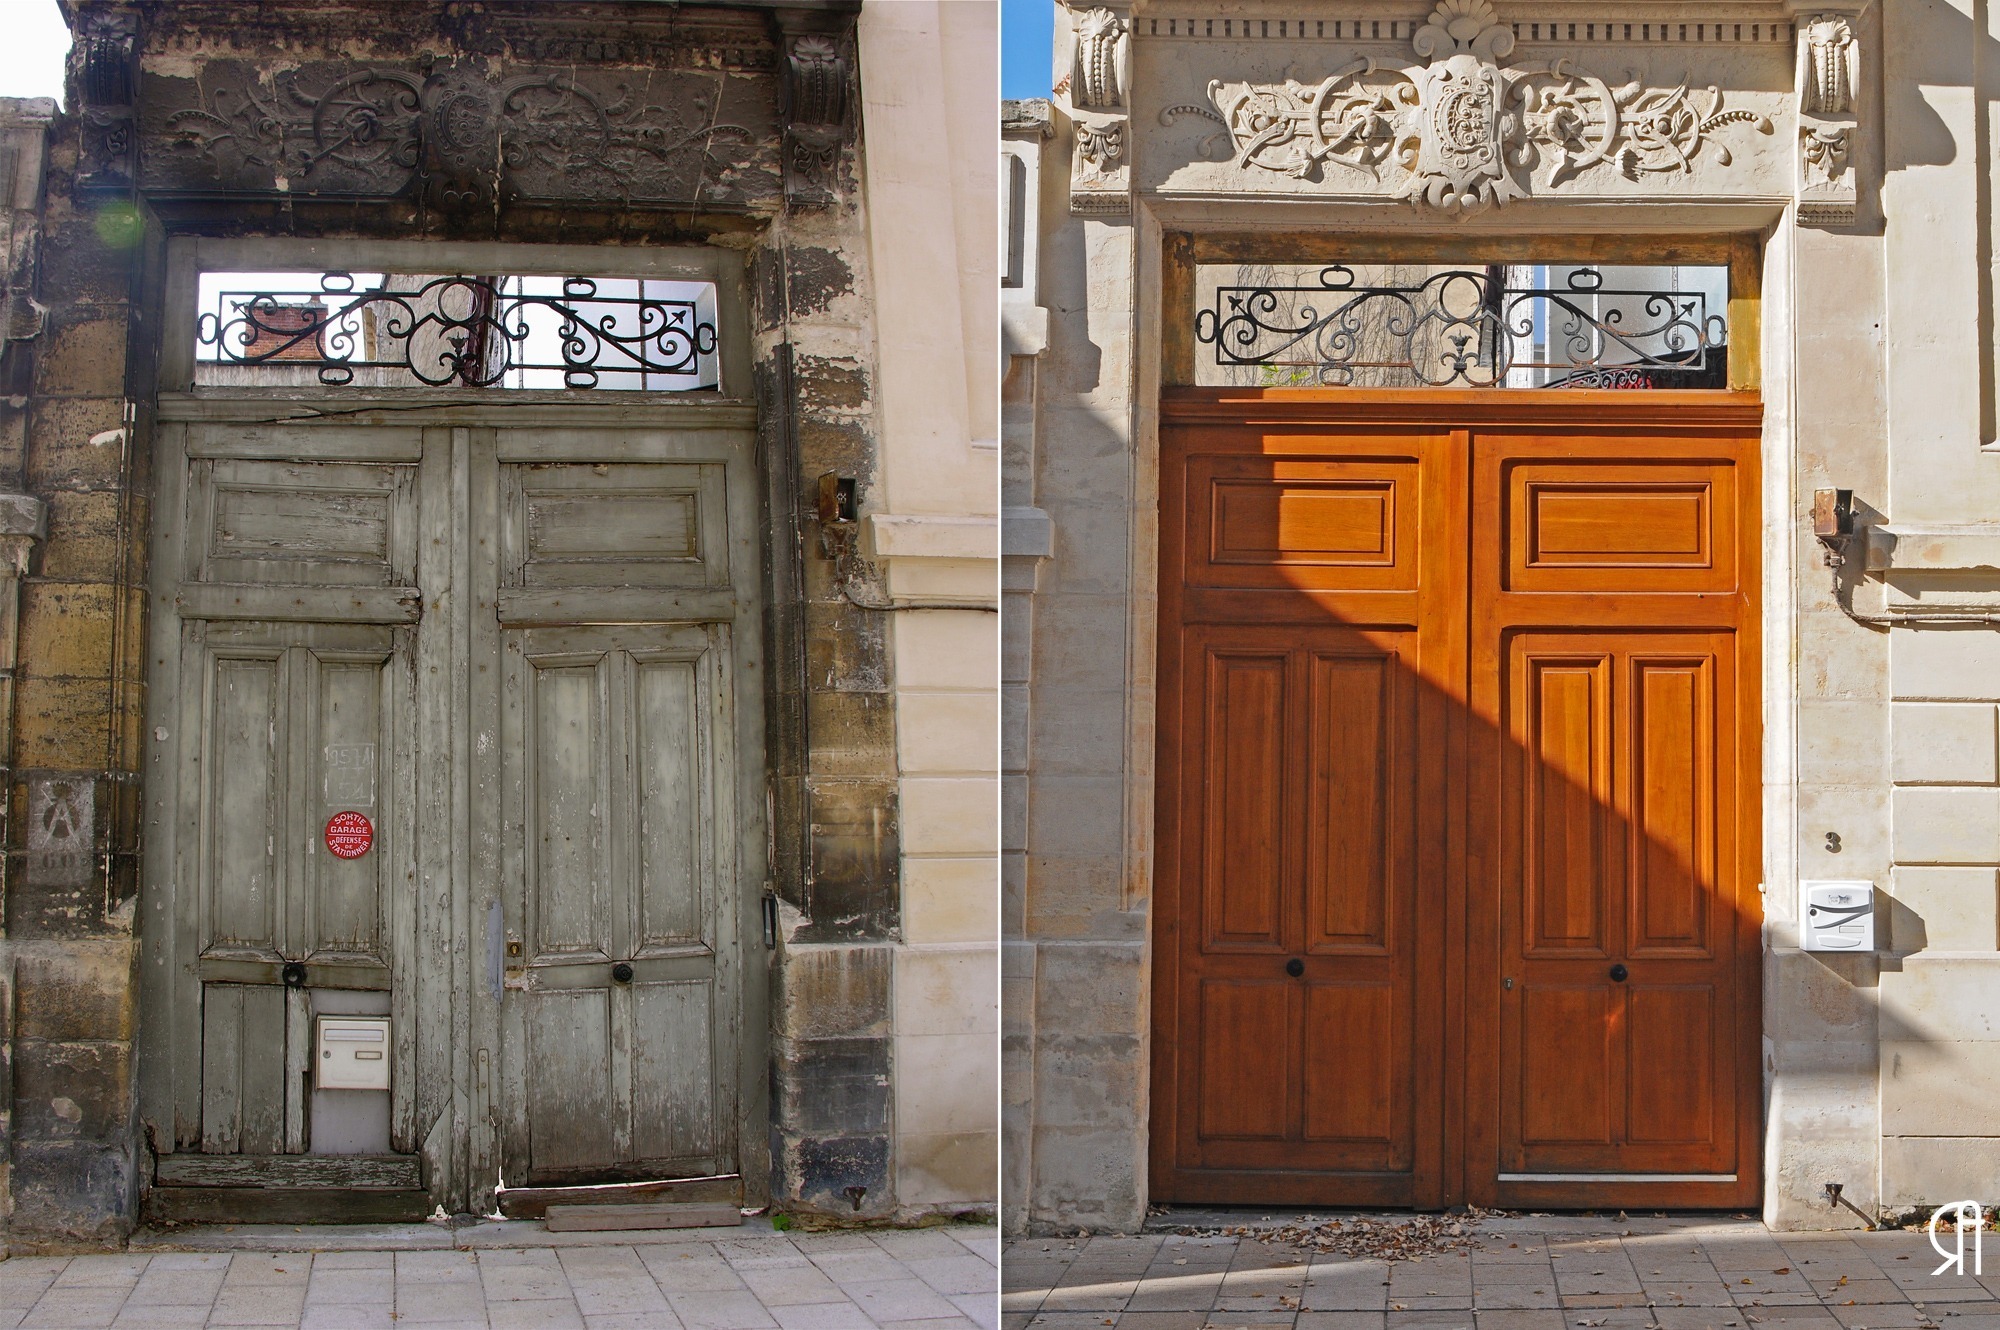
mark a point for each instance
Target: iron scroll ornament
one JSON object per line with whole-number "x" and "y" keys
{"x": 466, "y": 331}
{"x": 1464, "y": 327}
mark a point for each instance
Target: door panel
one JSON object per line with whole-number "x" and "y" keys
{"x": 1458, "y": 715}
{"x": 1300, "y": 835}
{"x": 618, "y": 764}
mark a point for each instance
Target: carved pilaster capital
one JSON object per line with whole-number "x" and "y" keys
{"x": 105, "y": 63}
{"x": 1828, "y": 84}
{"x": 815, "y": 75}
{"x": 1100, "y": 177}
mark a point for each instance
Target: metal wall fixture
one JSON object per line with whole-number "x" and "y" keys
{"x": 462, "y": 331}
{"x": 1471, "y": 328}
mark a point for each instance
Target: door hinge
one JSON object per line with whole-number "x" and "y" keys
{"x": 770, "y": 920}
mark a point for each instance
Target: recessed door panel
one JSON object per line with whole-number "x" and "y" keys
{"x": 616, "y": 747}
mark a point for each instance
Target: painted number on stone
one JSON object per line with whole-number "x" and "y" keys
{"x": 349, "y": 835}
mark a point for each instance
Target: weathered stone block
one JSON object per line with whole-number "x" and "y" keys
{"x": 853, "y": 734}
{"x": 828, "y": 991}
{"x": 847, "y": 649}
{"x": 1948, "y": 999}
{"x": 79, "y": 1190}
{"x": 67, "y": 629}
{"x": 60, "y": 452}
{"x": 824, "y": 1169}
{"x": 1937, "y": 743}
{"x": 62, "y": 724}
{"x": 85, "y": 540}
{"x": 832, "y": 1086}
{"x": 855, "y": 851}
{"x": 77, "y": 991}
{"x": 71, "y": 1091}
{"x": 83, "y": 354}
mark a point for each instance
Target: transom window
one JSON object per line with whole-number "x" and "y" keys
{"x": 413, "y": 330}
{"x": 1465, "y": 326}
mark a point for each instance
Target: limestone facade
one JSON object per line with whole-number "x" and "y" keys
{"x": 782, "y": 141}
{"x": 1844, "y": 141}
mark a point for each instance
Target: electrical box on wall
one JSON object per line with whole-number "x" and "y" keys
{"x": 1837, "y": 916}
{"x": 351, "y": 1052}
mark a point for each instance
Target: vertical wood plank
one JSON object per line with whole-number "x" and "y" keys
{"x": 221, "y": 1068}
{"x": 484, "y": 827}
{"x": 298, "y": 1065}
{"x": 437, "y": 659}
{"x": 264, "y": 1064}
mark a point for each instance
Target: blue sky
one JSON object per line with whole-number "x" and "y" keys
{"x": 1027, "y": 32}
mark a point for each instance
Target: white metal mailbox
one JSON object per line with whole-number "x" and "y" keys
{"x": 351, "y": 1052}
{"x": 1837, "y": 916}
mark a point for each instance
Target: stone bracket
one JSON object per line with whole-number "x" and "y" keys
{"x": 815, "y": 101}
{"x": 1828, "y": 84}
{"x": 1092, "y": 94}
{"x": 106, "y": 56}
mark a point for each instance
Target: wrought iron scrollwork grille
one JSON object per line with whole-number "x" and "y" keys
{"x": 1470, "y": 328}
{"x": 464, "y": 331}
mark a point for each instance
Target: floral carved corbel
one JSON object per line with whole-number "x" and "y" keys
{"x": 1829, "y": 87}
{"x": 1095, "y": 93}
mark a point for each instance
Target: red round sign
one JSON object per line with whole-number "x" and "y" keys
{"x": 349, "y": 835}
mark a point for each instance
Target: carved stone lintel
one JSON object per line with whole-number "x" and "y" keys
{"x": 106, "y": 53}
{"x": 1100, "y": 178}
{"x": 1462, "y": 131}
{"x": 813, "y": 97}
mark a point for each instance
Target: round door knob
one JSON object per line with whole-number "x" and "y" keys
{"x": 1295, "y": 967}
{"x": 295, "y": 975}
{"x": 622, "y": 972}
{"x": 1618, "y": 973}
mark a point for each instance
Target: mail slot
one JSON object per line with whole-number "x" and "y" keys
{"x": 351, "y": 1052}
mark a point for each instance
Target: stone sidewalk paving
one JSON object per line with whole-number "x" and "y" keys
{"x": 1527, "y": 1272}
{"x": 701, "y": 1279}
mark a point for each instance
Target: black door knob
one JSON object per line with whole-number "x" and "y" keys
{"x": 622, "y": 972}
{"x": 1618, "y": 973}
{"x": 1295, "y": 967}
{"x": 295, "y": 975}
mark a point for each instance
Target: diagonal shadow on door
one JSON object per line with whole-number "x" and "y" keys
{"x": 1457, "y": 847}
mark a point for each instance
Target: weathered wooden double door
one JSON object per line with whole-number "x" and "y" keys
{"x": 518, "y": 641}
{"x": 1457, "y": 832}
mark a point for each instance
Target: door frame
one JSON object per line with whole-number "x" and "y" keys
{"x": 1175, "y": 397}
{"x": 458, "y": 1093}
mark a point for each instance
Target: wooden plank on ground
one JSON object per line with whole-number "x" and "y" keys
{"x": 285, "y": 1205}
{"x": 669, "y": 1214}
{"x": 338, "y": 1171}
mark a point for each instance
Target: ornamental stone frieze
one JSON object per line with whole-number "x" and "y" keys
{"x": 1465, "y": 109}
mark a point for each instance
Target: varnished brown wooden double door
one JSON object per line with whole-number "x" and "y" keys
{"x": 1457, "y": 834}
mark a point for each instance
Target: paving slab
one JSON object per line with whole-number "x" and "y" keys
{"x": 1521, "y": 1272}
{"x": 517, "y": 1276}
